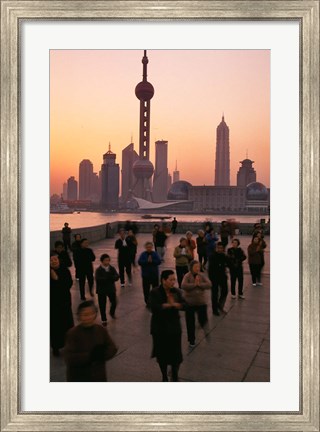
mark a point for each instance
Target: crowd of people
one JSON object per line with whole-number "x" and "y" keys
{"x": 202, "y": 264}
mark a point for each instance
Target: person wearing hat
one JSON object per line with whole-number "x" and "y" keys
{"x": 194, "y": 285}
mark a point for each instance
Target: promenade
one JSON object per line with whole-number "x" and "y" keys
{"x": 238, "y": 346}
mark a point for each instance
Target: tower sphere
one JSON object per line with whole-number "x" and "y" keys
{"x": 143, "y": 168}
{"x": 144, "y": 91}
{"x": 256, "y": 191}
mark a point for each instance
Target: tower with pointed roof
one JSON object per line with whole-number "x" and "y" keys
{"x": 176, "y": 174}
{"x": 222, "y": 168}
{"x": 143, "y": 168}
{"x": 110, "y": 181}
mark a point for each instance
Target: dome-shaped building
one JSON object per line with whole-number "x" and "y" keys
{"x": 256, "y": 191}
{"x": 179, "y": 190}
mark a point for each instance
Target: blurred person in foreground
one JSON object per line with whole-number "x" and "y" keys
{"x": 149, "y": 262}
{"x": 61, "y": 318}
{"x": 88, "y": 347}
{"x": 166, "y": 302}
{"x": 106, "y": 276}
{"x": 194, "y": 285}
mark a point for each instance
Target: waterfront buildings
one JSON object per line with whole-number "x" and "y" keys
{"x": 222, "y": 168}
{"x": 64, "y": 190}
{"x": 143, "y": 168}
{"x": 160, "y": 177}
{"x": 72, "y": 189}
{"x": 129, "y": 157}
{"x": 110, "y": 181}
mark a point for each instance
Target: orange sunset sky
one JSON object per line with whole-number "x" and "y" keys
{"x": 92, "y": 103}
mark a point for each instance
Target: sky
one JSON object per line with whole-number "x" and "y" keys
{"x": 93, "y": 103}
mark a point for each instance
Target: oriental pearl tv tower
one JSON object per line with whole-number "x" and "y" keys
{"x": 143, "y": 168}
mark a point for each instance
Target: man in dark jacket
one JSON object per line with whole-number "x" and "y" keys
{"x": 236, "y": 258}
{"x": 149, "y": 262}
{"x": 66, "y": 236}
{"x": 85, "y": 258}
{"x": 218, "y": 263}
{"x": 124, "y": 258}
{"x": 106, "y": 276}
{"x": 63, "y": 255}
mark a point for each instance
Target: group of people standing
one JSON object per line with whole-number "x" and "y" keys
{"x": 194, "y": 278}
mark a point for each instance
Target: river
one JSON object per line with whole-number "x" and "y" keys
{"x": 88, "y": 219}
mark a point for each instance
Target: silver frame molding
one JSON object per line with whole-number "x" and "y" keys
{"x": 304, "y": 11}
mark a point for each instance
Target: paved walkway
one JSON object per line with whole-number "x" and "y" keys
{"x": 238, "y": 348}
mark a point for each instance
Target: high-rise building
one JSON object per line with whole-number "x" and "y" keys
{"x": 143, "y": 168}
{"x": 129, "y": 157}
{"x": 160, "y": 177}
{"x": 72, "y": 191}
{"x": 222, "y": 171}
{"x": 85, "y": 179}
{"x": 65, "y": 191}
{"x": 246, "y": 173}
{"x": 110, "y": 181}
{"x": 176, "y": 174}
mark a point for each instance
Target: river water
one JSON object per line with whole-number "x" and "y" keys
{"x": 88, "y": 219}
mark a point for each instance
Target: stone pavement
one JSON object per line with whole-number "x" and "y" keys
{"x": 238, "y": 346}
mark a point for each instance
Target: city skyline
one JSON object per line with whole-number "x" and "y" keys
{"x": 233, "y": 83}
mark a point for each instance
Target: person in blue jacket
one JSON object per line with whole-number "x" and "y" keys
{"x": 149, "y": 262}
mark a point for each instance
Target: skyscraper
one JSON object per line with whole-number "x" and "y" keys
{"x": 143, "y": 168}
{"x": 246, "y": 173}
{"x": 176, "y": 174}
{"x": 129, "y": 156}
{"x": 222, "y": 172}
{"x": 110, "y": 181}
{"x": 169, "y": 182}
{"x": 85, "y": 179}
{"x": 72, "y": 189}
{"x": 160, "y": 178}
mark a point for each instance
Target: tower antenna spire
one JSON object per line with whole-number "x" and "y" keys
{"x": 247, "y": 154}
{"x": 145, "y": 61}
{"x": 109, "y": 146}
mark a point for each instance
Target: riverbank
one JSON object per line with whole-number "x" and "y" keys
{"x": 109, "y": 230}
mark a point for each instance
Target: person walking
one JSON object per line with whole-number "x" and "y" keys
{"x": 149, "y": 262}
{"x": 236, "y": 258}
{"x": 132, "y": 242}
{"x": 224, "y": 233}
{"x": 66, "y": 236}
{"x": 85, "y": 258}
{"x": 61, "y": 318}
{"x": 194, "y": 285}
{"x": 88, "y": 347}
{"x": 218, "y": 263}
{"x": 75, "y": 247}
{"x": 191, "y": 243}
{"x": 106, "y": 276}
{"x": 202, "y": 249}
{"x": 255, "y": 261}
{"x": 124, "y": 260}
{"x": 160, "y": 242}
{"x": 165, "y": 303}
{"x": 174, "y": 225}
{"x": 183, "y": 256}
{"x": 154, "y": 233}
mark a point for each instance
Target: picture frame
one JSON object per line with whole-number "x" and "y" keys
{"x": 307, "y": 13}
